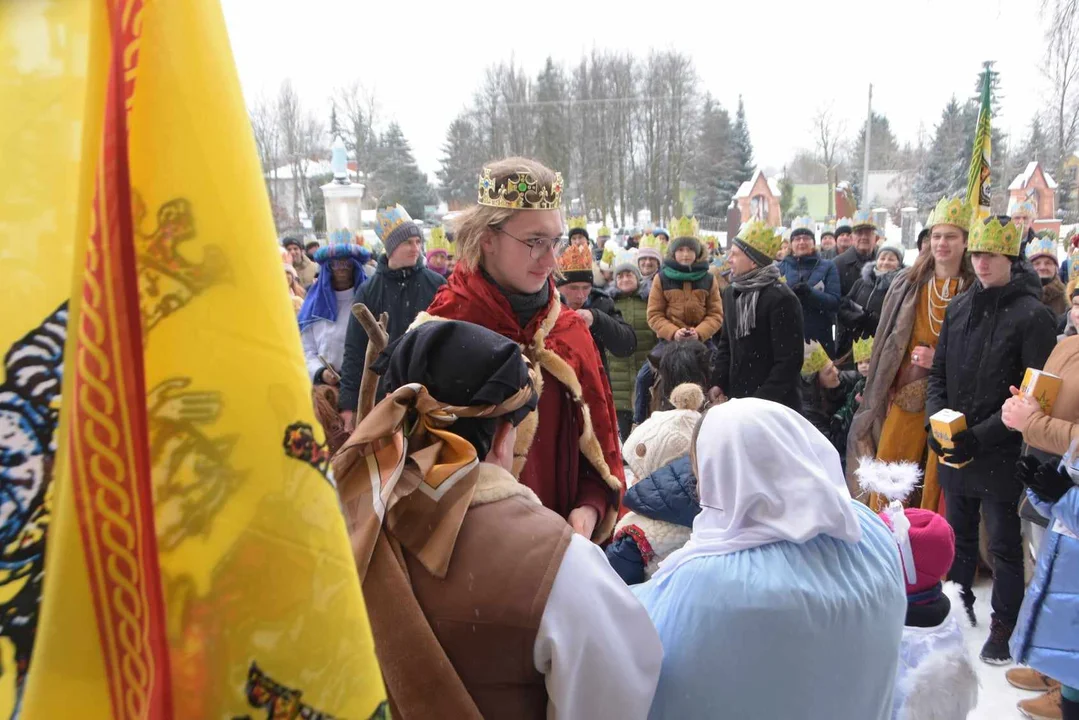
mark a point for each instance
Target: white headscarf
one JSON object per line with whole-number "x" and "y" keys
{"x": 764, "y": 474}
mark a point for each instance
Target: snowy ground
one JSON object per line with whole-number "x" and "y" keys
{"x": 996, "y": 698}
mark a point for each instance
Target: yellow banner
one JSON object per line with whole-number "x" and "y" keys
{"x": 264, "y": 615}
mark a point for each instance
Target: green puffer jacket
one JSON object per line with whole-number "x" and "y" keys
{"x": 634, "y": 308}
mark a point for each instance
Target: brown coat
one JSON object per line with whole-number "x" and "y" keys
{"x": 1056, "y": 432}
{"x": 481, "y": 620}
{"x": 673, "y": 306}
{"x": 1054, "y": 298}
{"x": 307, "y": 271}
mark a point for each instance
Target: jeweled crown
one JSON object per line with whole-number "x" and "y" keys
{"x": 575, "y": 258}
{"x": 816, "y": 359}
{"x": 954, "y": 211}
{"x": 992, "y": 237}
{"x": 761, "y": 237}
{"x": 685, "y": 227}
{"x": 520, "y": 191}
{"x": 863, "y": 349}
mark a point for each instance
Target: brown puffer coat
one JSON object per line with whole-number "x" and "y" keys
{"x": 674, "y": 304}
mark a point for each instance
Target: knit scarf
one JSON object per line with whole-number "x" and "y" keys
{"x": 524, "y": 307}
{"x": 749, "y": 287}
{"x": 681, "y": 273}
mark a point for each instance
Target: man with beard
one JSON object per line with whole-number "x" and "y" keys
{"x": 760, "y": 349}
{"x": 988, "y": 339}
{"x": 401, "y": 287}
{"x": 1042, "y": 255}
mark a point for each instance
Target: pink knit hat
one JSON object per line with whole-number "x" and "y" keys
{"x": 932, "y": 542}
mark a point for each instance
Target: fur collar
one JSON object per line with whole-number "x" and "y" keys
{"x": 495, "y": 483}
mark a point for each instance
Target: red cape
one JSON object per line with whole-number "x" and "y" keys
{"x": 468, "y": 296}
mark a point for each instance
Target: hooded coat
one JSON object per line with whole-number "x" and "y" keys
{"x": 989, "y": 337}
{"x": 622, "y": 371}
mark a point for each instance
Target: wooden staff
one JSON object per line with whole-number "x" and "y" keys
{"x": 377, "y": 339}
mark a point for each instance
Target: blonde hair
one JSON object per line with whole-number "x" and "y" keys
{"x": 470, "y": 226}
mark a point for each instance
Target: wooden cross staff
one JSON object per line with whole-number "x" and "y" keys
{"x": 377, "y": 339}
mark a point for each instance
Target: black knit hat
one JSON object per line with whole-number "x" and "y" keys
{"x": 827, "y": 233}
{"x": 843, "y": 229}
{"x": 579, "y": 231}
{"x": 799, "y": 232}
{"x": 291, "y": 241}
{"x": 922, "y": 236}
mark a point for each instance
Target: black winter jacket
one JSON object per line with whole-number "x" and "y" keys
{"x": 820, "y": 404}
{"x": 610, "y": 331}
{"x": 859, "y": 310}
{"x": 767, "y": 363}
{"x": 987, "y": 341}
{"x": 403, "y": 294}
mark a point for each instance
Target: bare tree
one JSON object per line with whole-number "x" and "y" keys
{"x": 357, "y": 110}
{"x": 301, "y": 136}
{"x": 264, "y": 126}
{"x": 827, "y": 131}
{"x": 1062, "y": 71}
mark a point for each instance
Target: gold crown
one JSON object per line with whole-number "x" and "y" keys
{"x": 603, "y": 231}
{"x": 991, "y": 237}
{"x": 863, "y": 349}
{"x": 438, "y": 241}
{"x": 684, "y": 227}
{"x": 710, "y": 241}
{"x": 575, "y": 258}
{"x": 520, "y": 191}
{"x": 650, "y": 242}
{"x": 950, "y": 212}
{"x": 580, "y": 222}
{"x": 761, "y": 237}
{"x": 608, "y": 257}
{"x": 816, "y": 359}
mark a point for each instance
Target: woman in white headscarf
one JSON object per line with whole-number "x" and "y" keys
{"x": 788, "y": 600}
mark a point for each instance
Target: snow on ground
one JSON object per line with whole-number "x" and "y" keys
{"x": 996, "y": 698}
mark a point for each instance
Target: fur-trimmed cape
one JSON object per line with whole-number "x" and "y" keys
{"x": 560, "y": 343}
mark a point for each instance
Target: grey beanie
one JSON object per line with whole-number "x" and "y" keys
{"x": 399, "y": 235}
{"x": 628, "y": 267}
{"x": 893, "y": 248}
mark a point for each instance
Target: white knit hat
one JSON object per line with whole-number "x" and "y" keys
{"x": 665, "y": 436}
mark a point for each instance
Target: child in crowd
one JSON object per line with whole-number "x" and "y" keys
{"x": 630, "y": 299}
{"x": 863, "y": 349}
{"x": 662, "y": 494}
{"x": 824, "y": 388}
{"x": 935, "y": 678}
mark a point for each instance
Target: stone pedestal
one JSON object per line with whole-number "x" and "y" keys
{"x": 908, "y": 221}
{"x": 342, "y": 211}
{"x": 880, "y": 218}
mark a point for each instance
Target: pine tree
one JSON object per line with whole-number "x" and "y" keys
{"x": 398, "y": 175}
{"x": 940, "y": 175}
{"x": 1036, "y": 147}
{"x": 882, "y": 153}
{"x": 743, "y": 147}
{"x": 713, "y": 168}
{"x": 461, "y": 160}
{"x": 552, "y": 125}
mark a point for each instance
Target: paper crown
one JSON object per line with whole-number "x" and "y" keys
{"x": 389, "y": 219}
{"x": 828, "y": 229}
{"x": 992, "y": 237}
{"x": 863, "y": 349}
{"x": 579, "y": 222}
{"x": 804, "y": 223}
{"x": 685, "y": 227}
{"x": 575, "y": 258}
{"x": 711, "y": 242}
{"x": 1042, "y": 247}
{"x": 954, "y": 211}
{"x": 603, "y": 231}
{"x": 606, "y": 260}
{"x": 843, "y": 223}
{"x": 862, "y": 219}
{"x": 816, "y": 359}
{"x": 1021, "y": 207}
{"x": 625, "y": 258}
{"x": 761, "y": 237}
{"x": 520, "y": 191}
{"x": 438, "y": 242}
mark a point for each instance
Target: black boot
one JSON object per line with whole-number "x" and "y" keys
{"x": 968, "y": 604}
{"x": 1069, "y": 709}
{"x": 995, "y": 651}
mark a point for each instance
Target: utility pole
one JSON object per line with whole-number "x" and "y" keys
{"x": 865, "y": 167}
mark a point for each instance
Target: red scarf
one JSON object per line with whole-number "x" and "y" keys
{"x": 469, "y": 297}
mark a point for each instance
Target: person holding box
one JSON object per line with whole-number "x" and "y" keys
{"x": 988, "y": 339}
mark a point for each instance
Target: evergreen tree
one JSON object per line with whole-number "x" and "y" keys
{"x": 1036, "y": 147}
{"x": 398, "y": 175}
{"x": 461, "y": 160}
{"x": 882, "y": 154}
{"x": 942, "y": 174}
{"x": 786, "y": 196}
{"x": 552, "y": 124}
{"x": 714, "y": 164}
{"x": 743, "y": 147}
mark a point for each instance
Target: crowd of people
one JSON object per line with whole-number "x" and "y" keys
{"x": 576, "y": 473}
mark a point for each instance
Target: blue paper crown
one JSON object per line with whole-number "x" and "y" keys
{"x": 389, "y": 219}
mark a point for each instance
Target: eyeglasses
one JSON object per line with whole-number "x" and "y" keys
{"x": 538, "y": 247}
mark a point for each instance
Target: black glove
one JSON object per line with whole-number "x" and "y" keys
{"x": 800, "y": 289}
{"x": 1025, "y": 469}
{"x": 1050, "y": 484}
{"x": 935, "y": 446}
{"x": 966, "y": 447}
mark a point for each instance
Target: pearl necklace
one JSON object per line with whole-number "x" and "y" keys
{"x": 944, "y": 295}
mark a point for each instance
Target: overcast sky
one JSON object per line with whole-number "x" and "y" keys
{"x": 787, "y": 58}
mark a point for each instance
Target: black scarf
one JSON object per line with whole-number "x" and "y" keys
{"x": 524, "y": 307}
{"x": 928, "y": 608}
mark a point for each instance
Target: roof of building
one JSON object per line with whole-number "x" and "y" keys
{"x": 1024, "y": 177}
{"x": 747, "y": 186}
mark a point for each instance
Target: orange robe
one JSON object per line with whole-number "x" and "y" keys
{"x": 903, "y": 436}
